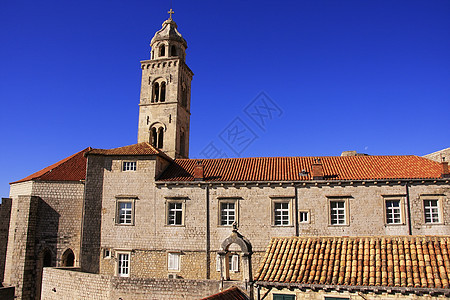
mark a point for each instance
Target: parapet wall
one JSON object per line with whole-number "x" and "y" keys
{"x": 60, "y": 284}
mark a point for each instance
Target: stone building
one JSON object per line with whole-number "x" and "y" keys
{"x": 145, "y": 219}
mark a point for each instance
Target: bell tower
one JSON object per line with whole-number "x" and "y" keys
{"x": 164, "y": 108}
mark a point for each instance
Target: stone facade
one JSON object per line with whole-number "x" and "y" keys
{"x": 439, "y": 155}
{"x": 45, "y": 220}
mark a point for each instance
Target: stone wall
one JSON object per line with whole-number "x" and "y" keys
{"x": 5, "y": 213}
{"x": 60, "y": 284}
{"x": 438, "y": 155}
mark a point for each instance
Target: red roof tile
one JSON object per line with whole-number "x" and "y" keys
{"x": 72, "y": 168}
{"x": 403, "y": 261}
{"x": 232, "y": 293}
{"x": 135, "y": 149}
{"x": 288, "y": 168}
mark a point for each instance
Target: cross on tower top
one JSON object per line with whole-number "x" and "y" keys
{"x": 170, "y": 12}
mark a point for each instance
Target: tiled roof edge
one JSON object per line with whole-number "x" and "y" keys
{"x": 350, "y": 288}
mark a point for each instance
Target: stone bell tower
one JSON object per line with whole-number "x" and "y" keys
{"x": 164, "y": 108}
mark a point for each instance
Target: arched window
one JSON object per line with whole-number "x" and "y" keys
{"x": 173, "y": 51}
{"x": 155, "y": 97}
{"x": 68, "y": 258}
{"x": 153, "y": 136}
{"x": 160, "y": 137}
{"x": 182, "y": 143}
{"x": 162, "y": 50}
{"x": 163, "y": 91}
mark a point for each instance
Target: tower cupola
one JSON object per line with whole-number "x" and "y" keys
{"x": 168, "y": 42}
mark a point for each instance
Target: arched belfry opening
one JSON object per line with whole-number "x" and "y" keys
{"x": 157, "y": 135}
{"x": 230, "y": 260}
{"x": 68, "y": 258}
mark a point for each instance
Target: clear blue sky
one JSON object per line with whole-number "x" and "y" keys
{"x": 371, "y": 76}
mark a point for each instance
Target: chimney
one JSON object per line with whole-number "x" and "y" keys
{"x": 445, "y": 172}
{"x": 317, "y": 170}
{"x": 199, "y": 171}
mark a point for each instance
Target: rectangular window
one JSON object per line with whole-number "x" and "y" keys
{"x": 123, "y": 264}
{"x": 125, "y": 212}
{"x": 431, "y": 209}
{"x": 234, "y": 262}
{"x": 227, "y": 213}
{"x": 106, "y": 253}
{"x": 283, "y": 297}
{"x": 173, "y": 261}
{"x": 393, "y": 212}
{"x": 303, "y": 217}
{"x": 337, "y": 213}
{"x": 281, "y": 213}
{"x": 175, "y": 213}
{"x": 129, "y": 166}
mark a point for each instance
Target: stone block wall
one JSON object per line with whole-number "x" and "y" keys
{"x": 5, "y": 213}
{"x": 61, "y": 284}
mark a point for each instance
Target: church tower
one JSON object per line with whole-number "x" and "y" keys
{"x": 164, "y": 108}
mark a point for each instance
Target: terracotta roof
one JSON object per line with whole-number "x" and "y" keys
{"x": 136, "y": 149}
{"x": 288, "y": 168}
{"x": 413, "y": 261}
{"x": 72, "y": 168}
{"x": 232, "y": 293}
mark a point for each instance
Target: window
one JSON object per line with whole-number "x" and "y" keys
{"x": 157, "y": 137}
{"x": 283, "y": 297}
{"x": 163, "y": 92}
{"x": 162, "y": 50}
{"x": 281, "y": 213}
{"x": 173, "y": 261}
{"x": 173, "y": 51}
{"x": 129, "y": 166}
{"x": 337, "y": 213}
{"x": 431, "y": 209}
{"x": 175, "y": 213}
{"x": 233, "y": 262}
{"x": 125, "y": 212}
{"x": 303, "y": 217}
{"x": 160, "y": 138}
{"x": 393, "y": 212}
{"x": 123, "y": 264}
{"x": 155, "y": 97}
{"x": 227, "y": 213}
{"x": 106, "y": 253}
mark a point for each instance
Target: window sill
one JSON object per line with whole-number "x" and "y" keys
{"x": 338, "y": 225}
{"x": 394, "y": 224}
{"x": 118, "y": 224}
{"x": 282, "y": 225}
{"x": 174, "y": 225}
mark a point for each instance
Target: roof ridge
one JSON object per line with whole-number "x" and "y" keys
{"x": 311, "y": 156}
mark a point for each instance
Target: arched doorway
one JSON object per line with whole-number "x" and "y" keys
{"x": 45, "y": 259}
{"x": 68, "y": 258}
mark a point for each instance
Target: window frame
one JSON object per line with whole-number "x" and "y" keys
{"x": 401, "y": 207}
{"x": 439, "y": 200}
{"x": 118, "y": 265}
{"x": 346, "y": 210}
{"x": 236, "y": 211}
{"x": 181, "y": 201}
{"x": 276, "y": 296}
{"x": 278, "y": 200}
{"x": 178, "y": 262}
{"x": 126, "y": 162}
{"x": 308, "y": 213}
{"x": 118, "y": 209}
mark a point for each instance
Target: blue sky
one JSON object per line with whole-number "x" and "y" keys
{"x": 371, "y": 76}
